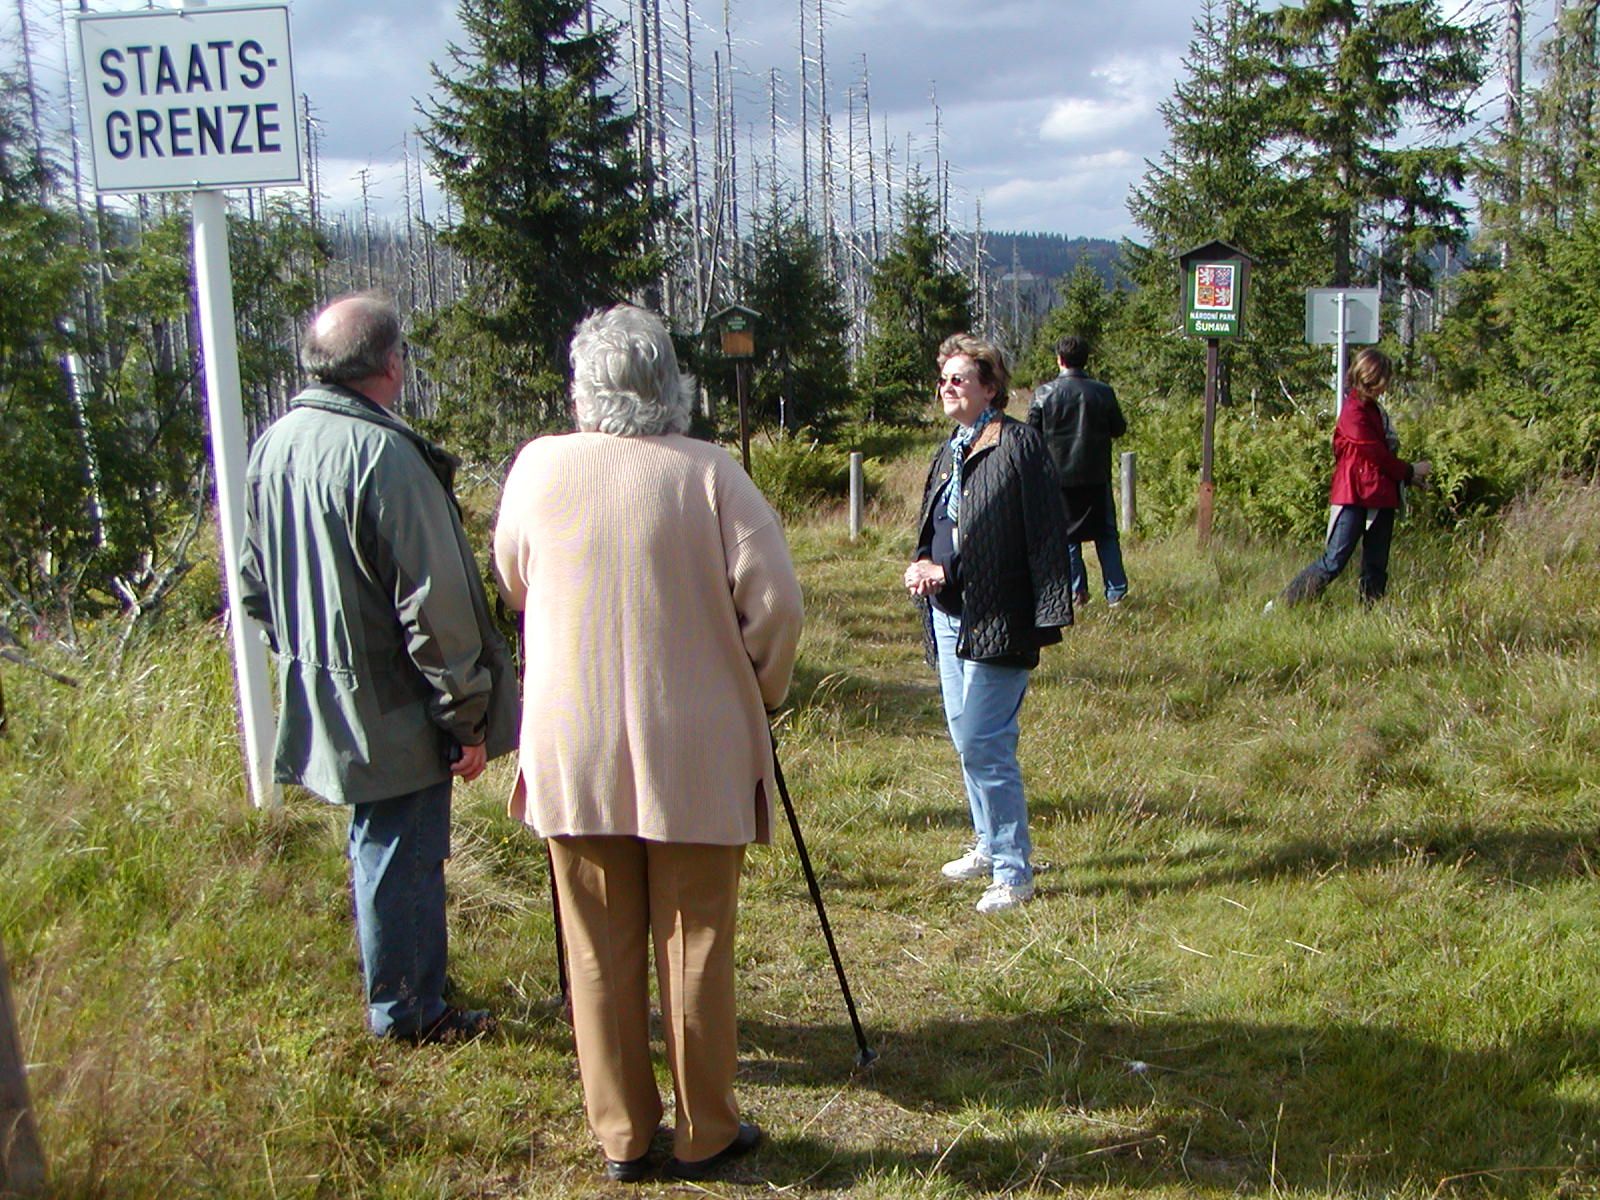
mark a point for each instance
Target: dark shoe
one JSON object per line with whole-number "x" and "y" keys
{"x": 455, "y": 1025}
{"x": 1079, "y": 599}
{"x": 746, "y": 1140}
{"x": 628, "y": 1170}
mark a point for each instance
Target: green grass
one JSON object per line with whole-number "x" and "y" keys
{"x": 1318, "y": 916}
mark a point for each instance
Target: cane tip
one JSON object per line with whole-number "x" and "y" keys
{"x": 867, "y": 1057}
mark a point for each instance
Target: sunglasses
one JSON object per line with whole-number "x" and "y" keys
{"x": 954, "y": 380}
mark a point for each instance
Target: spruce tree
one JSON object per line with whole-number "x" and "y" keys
{"x": 1217, "y": 178}
{"x": 1345, "y": 79}
{"x": 801, "y": 370}
{"x": 531, "y": 139}
{"x": 44, "y": 533}
{"x": 1560, "y": 147}
{"x": 916, "y": 303}
{"x": 1086, "y": 310}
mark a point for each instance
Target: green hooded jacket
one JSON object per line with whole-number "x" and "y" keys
{"x": 357, "y": 566}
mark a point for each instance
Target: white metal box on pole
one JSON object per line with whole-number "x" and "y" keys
{"x": 1339, "y": 316}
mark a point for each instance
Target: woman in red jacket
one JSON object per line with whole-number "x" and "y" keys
{"x": 1367, "y": 474}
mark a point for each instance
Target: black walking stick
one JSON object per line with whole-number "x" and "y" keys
{"x": 561, "y": 940}
{"x": 867, "y": 1053}
{"x": 549, "y": 859}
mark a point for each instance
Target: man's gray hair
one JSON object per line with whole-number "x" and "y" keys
{"x": 625, "y": 378}
{"x": 354, "y": 343}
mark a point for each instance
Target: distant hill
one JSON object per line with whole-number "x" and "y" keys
{"x": 1052, "y": 255}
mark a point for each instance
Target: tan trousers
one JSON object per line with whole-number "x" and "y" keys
{"x": 617, "y": 892}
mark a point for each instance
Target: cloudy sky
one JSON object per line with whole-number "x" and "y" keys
{"x": 1047, "y": 108}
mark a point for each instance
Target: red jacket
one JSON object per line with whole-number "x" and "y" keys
{"x": 1365, "y": 471}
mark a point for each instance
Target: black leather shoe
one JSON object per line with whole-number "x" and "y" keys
{"x": 746, "y": 1140}
{"x": 628, "y": 1170}
{"x": 455, "y": 1025}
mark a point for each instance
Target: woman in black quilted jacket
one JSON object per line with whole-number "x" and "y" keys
{"x": 990, "y": 572}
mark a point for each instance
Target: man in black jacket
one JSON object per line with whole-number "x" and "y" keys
{"x": 1079, "y": 417}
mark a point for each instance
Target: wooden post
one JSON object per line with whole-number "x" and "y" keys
{"x": 857, "y": 489}
{"x": 1207, "y": 438}
{"x": 741, "y": 383}
{"x": 1126, "y": 516}
{"x": 21, "y": 1157}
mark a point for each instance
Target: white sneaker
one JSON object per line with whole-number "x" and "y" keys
{"x": 1001, "y": 896}
{"x": 971, "y": 865}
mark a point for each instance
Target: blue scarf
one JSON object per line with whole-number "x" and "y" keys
{"x": 960, "y": 442}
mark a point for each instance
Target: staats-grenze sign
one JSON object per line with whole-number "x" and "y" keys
{"x": 197, "y": 98}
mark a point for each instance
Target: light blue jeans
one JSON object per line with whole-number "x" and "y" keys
{"x": 982, "y": 702}
{"x": 397, "y": 852}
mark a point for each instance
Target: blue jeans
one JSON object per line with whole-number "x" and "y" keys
{"x": 982, "y": 702}
{"x": 397, "y": 852}
{"x": 1349, "y": 526}
{"x": 1108, "y": 548}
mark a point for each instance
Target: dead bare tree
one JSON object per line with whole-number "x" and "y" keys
{"x": 732, "y": 126}
{"x": 872, "y": 171}
{"x": 1513, "y": 127}
{"x": 825, "y": 146}
{"x": 696, "y": 210}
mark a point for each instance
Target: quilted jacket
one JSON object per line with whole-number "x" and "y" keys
{"x": 1015, "y": 591}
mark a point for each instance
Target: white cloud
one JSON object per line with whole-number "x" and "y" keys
{"x": 1078, "y": 119}
{"x": 1129, "y": 91}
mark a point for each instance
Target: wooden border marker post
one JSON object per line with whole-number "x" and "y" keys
{"x": 196, "y": 100}
{"x": 737, "y": 325}
{"x": 1216, "y": 277}
{"x": 22, "y": 1170}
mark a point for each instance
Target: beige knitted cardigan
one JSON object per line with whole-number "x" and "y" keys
{"x": 663, "y": 620}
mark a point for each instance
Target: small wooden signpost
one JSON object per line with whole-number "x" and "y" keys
{"x": 736, "y": 324}
{"x": 1215, "y": 279}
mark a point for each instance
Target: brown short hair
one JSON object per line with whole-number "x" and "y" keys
{"x": 991, "y": 361}
{"x": 1371, "y": 372}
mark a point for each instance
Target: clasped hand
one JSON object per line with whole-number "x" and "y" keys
{"x": 924, "y": 577}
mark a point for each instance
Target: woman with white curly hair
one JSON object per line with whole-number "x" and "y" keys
{"x": 662, "y": 619}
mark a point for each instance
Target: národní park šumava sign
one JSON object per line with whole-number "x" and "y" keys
{"x": 1213, "y": 298}
{"x": 190, "y": 98}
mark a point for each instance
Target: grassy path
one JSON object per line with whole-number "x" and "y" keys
{"x": 1319, "y": 916}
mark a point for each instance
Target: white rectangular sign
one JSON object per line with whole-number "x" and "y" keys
{"x": 1360, "y": 315}
{"x": 197, "y": 98}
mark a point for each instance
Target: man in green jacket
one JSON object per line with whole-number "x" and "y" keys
{"x": 392, "y": 680}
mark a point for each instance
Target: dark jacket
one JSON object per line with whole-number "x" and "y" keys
{"x": 1015, "y": 590}
{"x": 1078, "y": 417}
{"x": 357, "y": 567}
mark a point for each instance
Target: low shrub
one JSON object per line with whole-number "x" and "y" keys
{"x": 796, "y": 472}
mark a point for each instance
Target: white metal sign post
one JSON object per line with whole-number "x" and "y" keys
{"x": 1341, "y": 316}
{"x": 198, "y": 99}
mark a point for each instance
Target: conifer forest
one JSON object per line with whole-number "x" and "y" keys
{"x": 574, "y": 153}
